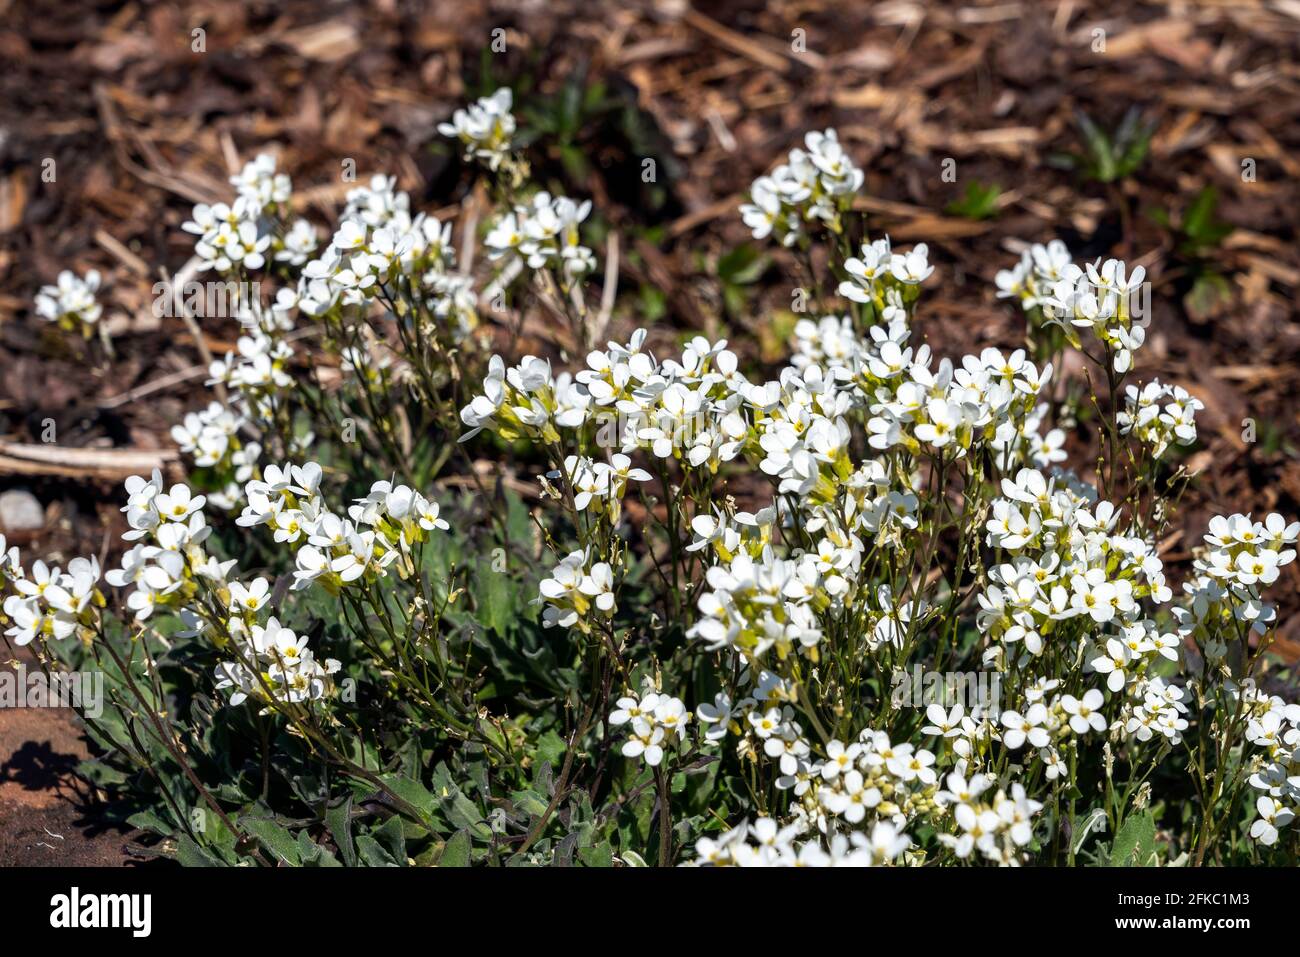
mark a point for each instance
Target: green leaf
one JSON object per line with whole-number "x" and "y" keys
{"x": 412, "y": 792}
{"x": 311, "y": 854}
{"x": 275, "y": 838}
{"x": 602, "y": 855}
{"x": 530, "y": 802}
{"x": 1200, "y": 226}
{"x": 191, "y": 854}
{"x": 551, "y": 747}
{"x": 339, "y": 820}
{"x": 456, "y": 852}
{"x": 372, "y": 854}
{"x": 979, "y": 202}
{"x": 1099, "y": 148}
{"x": 496, "y": 598}
{"x": 393, "y": 839}
{"x": 148, "y": 820}
{"x": 1135, "y": 842}
{"x": 460, "y": 810}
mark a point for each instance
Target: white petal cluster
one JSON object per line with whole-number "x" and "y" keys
{"x": 543, "y": 233}
{"x": 71, "y": 301}
{"x": 335, "y": 550}
{"x": 274, "y": 663}
{"x": 381, "y": 251}
{"x": 998, "y": 829}
{"x": 579, "y": 593}
{"x": 237, "y": 237}
{"x": 1242, "y": 558}
{"x": 815, "y": 184}
{"x": 1273, "y": 726}
{"x": 654, "y": 721}
{"x": 878, "y": 272}
{"x": 811, "y": 532}
{"x": 990, "y": 399}
{"x": 1106, "y": 298}
{"x": 211, "y": 437}
{"x": 484, "y": 128}
{"x": 168, "y": 557}
{"x": 1031, "y": 280}
{"x": 50, "y": 602}
{"x": 1159, "y": 415}
{"x": 765, "y": 843}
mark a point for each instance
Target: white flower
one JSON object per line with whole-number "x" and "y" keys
{"x": 1272, "y": 816}
{"x": 1025, "y": 727}
{"x": 71, "y": 300}
{"x": 484, "y": 128}
{"x": 1084, "y": 714}
{"x": 912, "y": 268}
{"x": 251, "y": 597}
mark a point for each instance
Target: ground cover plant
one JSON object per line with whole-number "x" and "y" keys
{"x": 718, "y": 623}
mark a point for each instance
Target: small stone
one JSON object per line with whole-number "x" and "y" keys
{"x": 20, "y": 511}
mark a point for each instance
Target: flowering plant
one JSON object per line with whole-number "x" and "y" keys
{"x": 704, "y": 628}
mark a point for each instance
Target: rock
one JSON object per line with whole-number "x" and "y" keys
{"x": 20, "y": 511}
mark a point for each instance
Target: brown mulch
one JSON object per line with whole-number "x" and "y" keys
{"x": 140, "y": 127}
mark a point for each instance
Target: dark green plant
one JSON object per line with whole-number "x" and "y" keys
{"x": 1198, "y": 236}
{"x": 980, "y": 201}
{"x": 1110, "y": 156}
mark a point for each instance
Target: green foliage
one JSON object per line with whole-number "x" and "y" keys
{"x": 980, "y": 201}
{"x": 1135, "y": 842}
{"x": 429, "y": 798}
{"x": 1110, "y": 156}
{"x": 736, "y": 270}
{"x": 1198, "y": 236}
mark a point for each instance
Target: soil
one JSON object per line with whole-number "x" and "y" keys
{"x": 49, "y": 816}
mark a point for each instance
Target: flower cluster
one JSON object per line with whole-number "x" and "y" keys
{"x": 773, "y": 550}
{"x": 1106, "y": 298}
{"x": 257, "y": 373}
{"x": 1226, "y": 596}
{"x": 599, "y": 485}
{"x": 813, "y": 185}
{"x": 884, "y": 278}
{"x": 776, "y": 846}
{"x": 484, "y": 128}
{"x": 578, "y": 593}
{"x": 1274, "y": 727}
{"x": 274, "y": 663}
{"x": 543, "y": 233}
{"x": 211, "y": 437}
{"x": 380, "y": 250}
{"x": 71, "y": 302}
{"x": 1159, "y": 416}
{"x": 1031, "y": 281}
{"x": 333, "y": 550}
{"x": 168, "y": 565}
{"x": 241, "y": 237}
{"x": 50, "y": 603}
{"x": 998, "y": 828}
{"x": 655, "y": 723}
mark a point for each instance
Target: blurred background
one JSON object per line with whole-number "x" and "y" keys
{"x": 1163, "y": 133}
